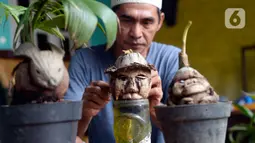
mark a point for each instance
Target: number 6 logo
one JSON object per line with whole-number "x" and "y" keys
{"x": 235, "y": 18}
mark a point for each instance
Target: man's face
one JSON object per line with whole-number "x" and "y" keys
{"x": 138, "y": 24}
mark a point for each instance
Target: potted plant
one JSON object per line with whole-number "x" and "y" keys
{"x": 193, "y": 113}
{"x": 35, "y": 113}
{"x": 243, "y": 132}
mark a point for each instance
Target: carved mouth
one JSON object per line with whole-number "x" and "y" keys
{"x": 131, "y": 96}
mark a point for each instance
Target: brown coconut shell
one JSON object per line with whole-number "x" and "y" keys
{"x": 189, "y": 86}
{"x": 24, "y": 86}
{"x": 128, "y": 61}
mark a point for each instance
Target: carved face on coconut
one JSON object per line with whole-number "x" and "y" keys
{"x": 131, "y": 84}
{"x": 188, "y": 82}
{"x": 46, "y": 66}
{"x": 190, "y": 87}
{"x": 130, "y": 78}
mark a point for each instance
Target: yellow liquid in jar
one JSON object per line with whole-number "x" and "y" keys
{"x": 128, "y": 129}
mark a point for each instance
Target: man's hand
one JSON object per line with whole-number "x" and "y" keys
{"x": 95, "y": 97}
{"x": 78, "y": 140}
{"x": 155, "y": 95}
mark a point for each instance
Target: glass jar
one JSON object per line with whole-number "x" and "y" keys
{"x": 132, "y": 121}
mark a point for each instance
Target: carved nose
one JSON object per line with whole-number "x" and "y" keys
{"x": 131, "y": 86}
{"x": 52, "y": 82}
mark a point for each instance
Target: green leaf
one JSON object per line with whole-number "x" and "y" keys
{"x": 247, "y": 112}
{"x": 14, "y": 10}
{"x": 53, "y": 31}
{"x": 54, "y": 7}
{"x": 241, "y": 127}
{"x": 241, "y": 132}
{"x": 252, "y": 121}
{"x": 23, "y": 29}
{"x": 80, "y": 21}
{"x": 231, "y": 138}
{"x": 108, "y": 17}
{"x": 58, "y": 21}
{"x": 40, "y": 11}
{"x": 79, "y": 18}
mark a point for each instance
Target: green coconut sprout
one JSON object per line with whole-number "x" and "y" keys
{"x": 78, "y": 17}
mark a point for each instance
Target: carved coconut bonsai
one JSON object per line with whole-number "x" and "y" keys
{"x": 193, "y": 113}
{"x": 189, "y": 86}
{"x": 41, "y": 79}
{"x": 130, "y": 77}
{"x": 130, "y": 80}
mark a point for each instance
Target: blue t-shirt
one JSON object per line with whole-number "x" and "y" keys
{"x": 88, "y": 64}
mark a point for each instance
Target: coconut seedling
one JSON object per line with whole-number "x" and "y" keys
{"x": 130, "y": 77}
{"x": 42, "y": 75}
{"x": 188, "y": 85}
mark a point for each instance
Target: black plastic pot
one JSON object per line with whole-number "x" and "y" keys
{"x": 40, "y": 123}
{"x": 203, "y": 123}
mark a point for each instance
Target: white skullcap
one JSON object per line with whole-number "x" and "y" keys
{"x": 157, "y": 3}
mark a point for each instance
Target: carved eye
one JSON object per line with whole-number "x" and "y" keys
{"x": 37, "y": 71}
{"x": 122, "y": 77}
{"x": 141, "y": 77}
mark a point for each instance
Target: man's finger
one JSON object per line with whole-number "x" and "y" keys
{"x": 156, "y": 81}
{"x": 89, "y": 104}
{"x": 104, "y": 86}
{"x": 156, "y": 93}
{"x": 101, "y": 84}
{"x": 96, "y": 99}
{"x": 103, "y": 93}
{"x": 93, "y": 89}
{"x": 154, "y": 73}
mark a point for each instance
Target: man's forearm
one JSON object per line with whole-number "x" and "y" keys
{"x": 83, "y": 125}
{"x": 154, "y": 117}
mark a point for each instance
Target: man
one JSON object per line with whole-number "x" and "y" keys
{"x": 139, "y": 22}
